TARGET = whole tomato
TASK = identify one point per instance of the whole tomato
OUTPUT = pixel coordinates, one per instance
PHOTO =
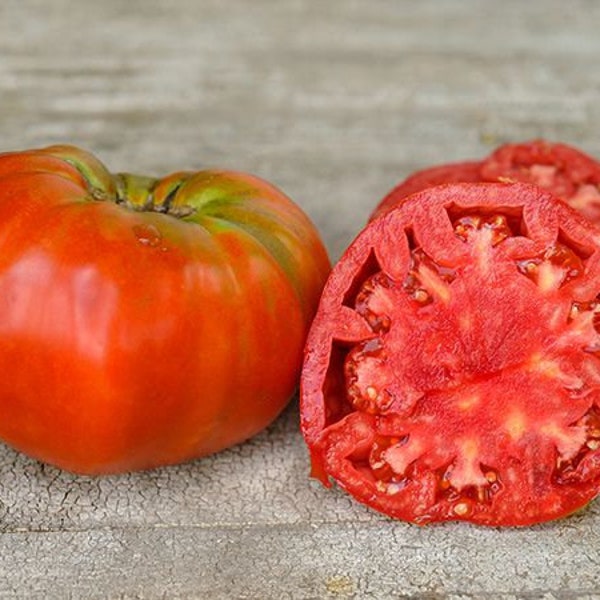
(145, 321)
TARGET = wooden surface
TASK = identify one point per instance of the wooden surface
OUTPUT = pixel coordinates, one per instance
(334, 101)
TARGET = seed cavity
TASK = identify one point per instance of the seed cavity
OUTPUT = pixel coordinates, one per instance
(434, 283)
(401, 455)
(568, 440)
(553, 268)
(427, 281)
(497, 225)
(374, 303)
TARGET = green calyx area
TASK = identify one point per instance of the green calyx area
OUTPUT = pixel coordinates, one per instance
(142, 193)
(135, 192)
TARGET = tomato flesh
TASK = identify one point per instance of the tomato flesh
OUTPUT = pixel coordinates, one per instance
(453, 368)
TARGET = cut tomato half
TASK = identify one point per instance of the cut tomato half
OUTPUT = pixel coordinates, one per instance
(453, 369)
(461, 172)
(565, 171)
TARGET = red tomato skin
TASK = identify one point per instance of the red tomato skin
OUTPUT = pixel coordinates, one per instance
(461, 172)
(134, 338)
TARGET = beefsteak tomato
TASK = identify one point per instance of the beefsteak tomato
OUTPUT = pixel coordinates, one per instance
(563, 170)
(146, 321)
(452, 371)
(462, 172)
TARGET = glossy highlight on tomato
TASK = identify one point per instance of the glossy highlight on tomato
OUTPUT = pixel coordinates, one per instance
(452, 371)
(146, 321)
(565, 171)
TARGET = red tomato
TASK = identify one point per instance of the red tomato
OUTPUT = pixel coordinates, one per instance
(452, 371)
(463, 172)
(563, 170)
(146, 321)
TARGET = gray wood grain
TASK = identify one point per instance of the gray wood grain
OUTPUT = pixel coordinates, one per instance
(334, 102)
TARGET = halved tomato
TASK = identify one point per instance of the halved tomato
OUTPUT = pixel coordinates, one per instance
(565, 171)
(453, 369)
(461, 172)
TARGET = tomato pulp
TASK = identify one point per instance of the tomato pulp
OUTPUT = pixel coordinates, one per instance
(146, 321)
(452, 371)
(563, 170)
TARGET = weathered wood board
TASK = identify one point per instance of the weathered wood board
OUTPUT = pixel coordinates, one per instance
(335, 102)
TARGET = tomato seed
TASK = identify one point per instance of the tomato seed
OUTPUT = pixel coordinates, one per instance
(378, 323)
(529, 268)
(395, 487)
(462, 508)
(491, 476)
(381, 486)
(574, 312)
(421, 296)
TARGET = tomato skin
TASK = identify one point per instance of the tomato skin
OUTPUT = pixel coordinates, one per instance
(565, 171)
(142, 329)
(496, 378)
(462, 172)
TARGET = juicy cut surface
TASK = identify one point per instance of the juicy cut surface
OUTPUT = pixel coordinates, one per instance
(475, 395)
